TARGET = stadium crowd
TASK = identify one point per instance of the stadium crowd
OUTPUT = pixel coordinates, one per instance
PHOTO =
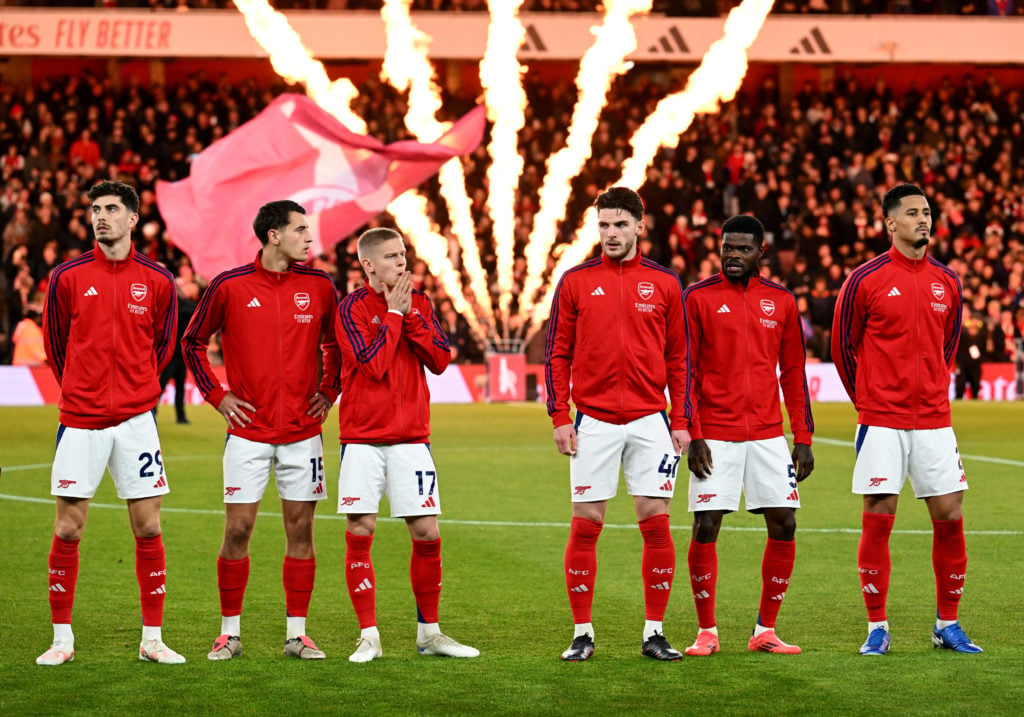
(812, 167)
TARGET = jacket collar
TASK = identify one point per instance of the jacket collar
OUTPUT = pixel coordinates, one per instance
(267, 273)
(624, 265)
(906, 262)
(726, 281)
(113, 265)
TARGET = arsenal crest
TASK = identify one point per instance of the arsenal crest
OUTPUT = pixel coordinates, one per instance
(302, 301)
(768, 307)
(645, 289)
(938, 291)
(138, 292)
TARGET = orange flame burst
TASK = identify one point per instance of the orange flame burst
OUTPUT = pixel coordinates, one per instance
(407, 67)
(614, 39)
(294, 62)
(716, 80)
(501, 77)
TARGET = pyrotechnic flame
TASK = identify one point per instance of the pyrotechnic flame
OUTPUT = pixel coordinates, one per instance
(613, 40)
(407, 67)
(501, 77)
(716, 80)
(410, 212)
(292, 61)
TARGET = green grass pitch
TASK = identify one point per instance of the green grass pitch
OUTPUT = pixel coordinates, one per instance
(504, 527)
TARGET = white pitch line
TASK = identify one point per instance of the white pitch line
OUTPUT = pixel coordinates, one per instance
(500, 523)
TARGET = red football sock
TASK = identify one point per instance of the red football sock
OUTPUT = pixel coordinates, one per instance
(298, 576)
(776, 569)
(359, 577)
(657, 566)
(151, 572)
(581, 567)
(949, 559)
(702, 559)
(232, 578)
(425, 575)
(874, 563)
(63, 568)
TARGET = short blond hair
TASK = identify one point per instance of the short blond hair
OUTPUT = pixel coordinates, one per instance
(373, 238)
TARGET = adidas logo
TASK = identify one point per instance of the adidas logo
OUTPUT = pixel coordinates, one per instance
(597, 292)
(91, 291)
(161, 482)
(667, 486)
(162, 590)
(793, 496)
(254, 304)
(894, 292)
(533, 40)
(870, 589)
(580, 589)
(662, 586)
(375, 320)
(57, 588)
(958, 591)
(365, 585)
(724, 310)
(319, 490)
(812, 44)
(779, 597)
(702, 595)
(671, 42)
(429, 503)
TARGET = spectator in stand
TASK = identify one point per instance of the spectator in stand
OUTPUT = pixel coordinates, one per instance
(971, 352)
(84, 150)
(815, 163)
(28, 337)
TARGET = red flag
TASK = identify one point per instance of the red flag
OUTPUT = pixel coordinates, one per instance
(296, 150)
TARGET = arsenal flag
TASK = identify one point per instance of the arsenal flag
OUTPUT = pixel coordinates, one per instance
(296, 150)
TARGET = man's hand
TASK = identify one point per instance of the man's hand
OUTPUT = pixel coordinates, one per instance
(699, 459)
(235, 411)
(565, 440)
(803, 461)
(319, 406)
(681, 441)
(399, 297)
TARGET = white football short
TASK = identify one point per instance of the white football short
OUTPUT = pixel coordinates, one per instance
(887, 456)
(642, 448)
(298, 469)
(131, 450)
(404, 472)
(762, 470)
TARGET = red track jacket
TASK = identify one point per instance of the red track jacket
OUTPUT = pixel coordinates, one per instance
(384, 393)
(618, 332)
(108, 331)
(738, 336)
(894, 339)
(272, 327)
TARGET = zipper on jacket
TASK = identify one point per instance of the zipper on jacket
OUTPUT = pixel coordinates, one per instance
(622, 336)
(915, 404)
(746, 336)
(397, 365)
(277, 286)
(114, 321)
